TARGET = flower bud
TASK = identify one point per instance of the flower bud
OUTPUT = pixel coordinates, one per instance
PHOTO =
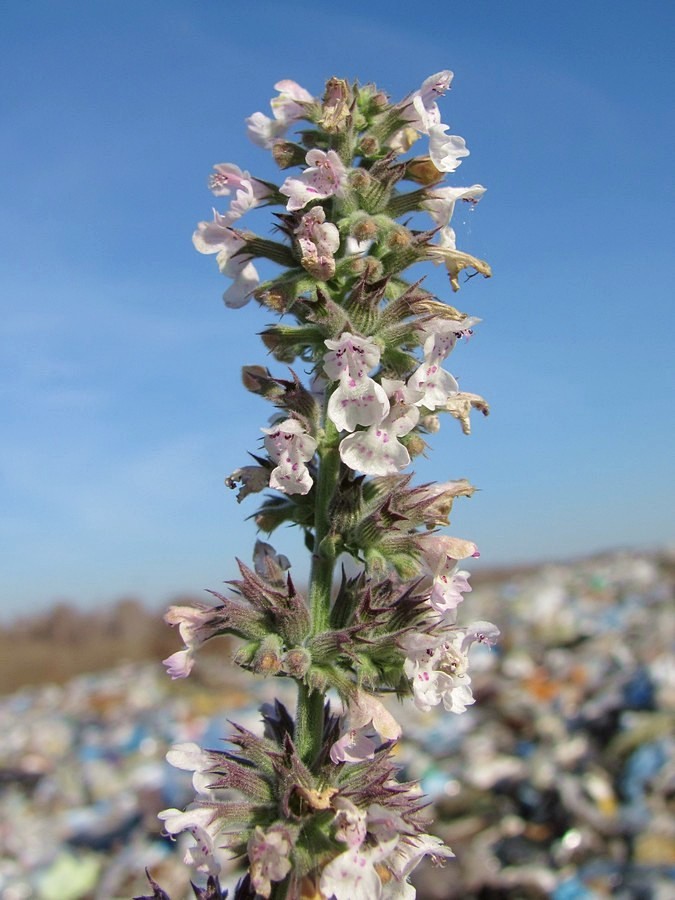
(415, 444)
(244, 655)
(335, 112)
(259, 380)
(398, 238)
(276, 299)
(287, 154)
(296, 662)
(369, 146)
(380, 100)
(431, 423)
(360, 180)
(267, 660)
(372, 269)
(423, 171)
(280, 350)
(364, 229)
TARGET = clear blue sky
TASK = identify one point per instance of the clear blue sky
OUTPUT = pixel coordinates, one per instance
(120, 404)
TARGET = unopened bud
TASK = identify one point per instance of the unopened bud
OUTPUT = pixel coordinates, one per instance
(316, 680)
(372, 269)
(398, 238)
(274, 299)
(296, 662)
(259, 380)
(266, 521)
(369, 145)
(415, 445)
(431, 423)
(253, 376)
(336, 104)
(360, 179)
(380, 100)
(280, 350)
(423, 171)
(244, 655)
(287, 154)
(267, 660)
(364, 229)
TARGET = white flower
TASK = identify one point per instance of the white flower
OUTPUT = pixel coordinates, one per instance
(289, 445)
(455, 260)
(179, 664)
(324, 177)
(431, 379)
(377, 451)
(422, 110)
(410, 851)
(219, 237)
(441, 201)
(288, 107)
(191, 621)
(358, 399)
(446, 151)
(201, 822)
(190, 757)
(431, 685)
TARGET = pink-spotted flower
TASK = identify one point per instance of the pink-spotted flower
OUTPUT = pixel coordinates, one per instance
(437, 664)
(439, 336)
(268, 853)
(248, 191)
(349, 822)
(289, 445)
(287, 107)
(440, 554)
(450, 585)
(358, 399)
(434, 383)
(366, 713)
(318, 241)
(421, 109)
(353, 875)
(324, 177)
(219, 237)
(377, 450)
(438, 675)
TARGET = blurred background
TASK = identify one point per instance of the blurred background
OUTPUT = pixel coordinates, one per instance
(122, 412)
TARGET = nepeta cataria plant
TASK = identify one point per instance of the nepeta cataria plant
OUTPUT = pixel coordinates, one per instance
(313, 805)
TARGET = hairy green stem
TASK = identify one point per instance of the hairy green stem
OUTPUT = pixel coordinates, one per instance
(309, 718)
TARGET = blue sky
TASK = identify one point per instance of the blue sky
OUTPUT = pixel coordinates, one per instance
(120, 403)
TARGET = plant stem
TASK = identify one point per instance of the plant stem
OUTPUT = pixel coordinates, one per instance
(309, 717)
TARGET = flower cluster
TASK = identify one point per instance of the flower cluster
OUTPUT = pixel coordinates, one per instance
(313, 805)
